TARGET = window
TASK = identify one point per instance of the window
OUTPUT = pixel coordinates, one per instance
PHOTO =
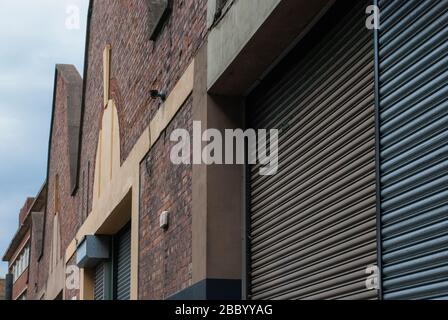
(27, 256)
(21, 263)
(158, 11)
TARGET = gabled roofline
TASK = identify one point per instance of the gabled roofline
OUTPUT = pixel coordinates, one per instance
(23, 228)
(72, 80)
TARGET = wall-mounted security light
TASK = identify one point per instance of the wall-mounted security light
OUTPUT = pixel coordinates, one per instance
(156, 94)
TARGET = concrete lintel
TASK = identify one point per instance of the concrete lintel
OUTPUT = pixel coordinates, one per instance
(252, 37)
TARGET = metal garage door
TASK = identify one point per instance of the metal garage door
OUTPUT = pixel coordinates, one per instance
(122, 265)
(99, 283)
(313, 224)
(413, 55)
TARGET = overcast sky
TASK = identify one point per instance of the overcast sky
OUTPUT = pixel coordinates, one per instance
(34, 36)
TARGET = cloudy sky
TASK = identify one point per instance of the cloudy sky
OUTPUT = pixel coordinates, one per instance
(34, 36)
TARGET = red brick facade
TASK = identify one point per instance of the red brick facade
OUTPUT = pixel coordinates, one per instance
(2, 289)
(20, 285)
(165, 256)
(59, 200)
(138, 65)
(33, 270)
(25, 210)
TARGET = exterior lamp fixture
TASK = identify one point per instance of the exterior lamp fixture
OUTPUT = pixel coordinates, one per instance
(156, 94)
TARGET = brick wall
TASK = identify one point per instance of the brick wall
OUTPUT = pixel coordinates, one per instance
(20, 285)
(60, 166)
(58, 178)
(24, 210)
(2, 289)
(137, 66)
(33, 269)
(165, 256)
(35, 245)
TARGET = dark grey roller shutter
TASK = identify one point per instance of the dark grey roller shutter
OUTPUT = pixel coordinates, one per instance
(313, 224)
(414, 148)
(98, 287)
(123, 265)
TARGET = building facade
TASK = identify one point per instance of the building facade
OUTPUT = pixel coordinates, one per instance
(18, 256)
(356, 207)
(2, 289)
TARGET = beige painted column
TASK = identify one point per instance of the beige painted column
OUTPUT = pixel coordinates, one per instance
(199, 175)
(86, 285)
(217, 189)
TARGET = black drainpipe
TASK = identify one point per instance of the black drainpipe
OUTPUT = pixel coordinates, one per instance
(378, 155)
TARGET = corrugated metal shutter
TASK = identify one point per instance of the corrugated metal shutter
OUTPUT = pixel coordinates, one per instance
(313, 224)
(98, 287)
(123, 265)
(414, 150)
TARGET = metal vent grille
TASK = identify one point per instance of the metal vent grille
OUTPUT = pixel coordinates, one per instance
(123, 265)
(98, 288)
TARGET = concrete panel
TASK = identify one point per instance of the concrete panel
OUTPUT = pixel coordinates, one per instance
(252, 36)
(233, 32)
(216, 223)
